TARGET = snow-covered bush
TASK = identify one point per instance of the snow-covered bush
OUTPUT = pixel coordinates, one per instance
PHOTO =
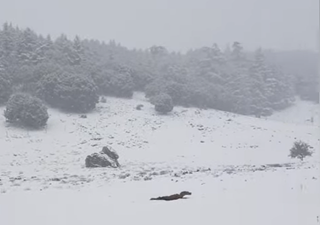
(5, 87)
(162, 103)
(24, 109)
(300, 150)
(67, 91)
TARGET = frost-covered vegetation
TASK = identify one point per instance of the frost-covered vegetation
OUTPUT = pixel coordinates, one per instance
(232, 79)
(68, 91)
(300, 150)
(5, 88)
(162, 103)
(24, 109)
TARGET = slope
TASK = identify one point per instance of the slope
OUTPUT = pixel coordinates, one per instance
(237, 168)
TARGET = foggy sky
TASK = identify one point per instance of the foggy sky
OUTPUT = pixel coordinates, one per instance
(175, 24)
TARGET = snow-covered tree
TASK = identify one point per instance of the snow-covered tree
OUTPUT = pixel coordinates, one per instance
(258, 74)
(76, 52)
(29, 49)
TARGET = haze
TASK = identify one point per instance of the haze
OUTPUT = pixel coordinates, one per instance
(175, 24)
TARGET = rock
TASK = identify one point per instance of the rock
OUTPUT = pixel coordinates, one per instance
(147, 178)
(83, 116)
(163, 172)
(123, 176)
(107, 157)
(103, 100)
(55, 179)
(97, 160)
(112, 154)
(139, 107)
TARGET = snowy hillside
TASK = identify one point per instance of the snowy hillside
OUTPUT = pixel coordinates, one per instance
(236, 167)
(302, 112)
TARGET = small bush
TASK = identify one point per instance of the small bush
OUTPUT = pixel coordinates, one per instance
(5, 87)
(68, 91)
(162, 103)
(300, 150)
(26, 110)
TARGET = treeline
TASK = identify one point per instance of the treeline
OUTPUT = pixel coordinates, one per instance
(71, 74)
(303, 65)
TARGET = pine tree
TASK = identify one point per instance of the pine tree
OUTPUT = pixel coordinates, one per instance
(76, 52)
(280, 92)
(7, 44)
(8, 40)
(237, 52)
(217, 54)
(63, 50)
(29, 48)
(240, 84)
(258, 74)
(8, 49)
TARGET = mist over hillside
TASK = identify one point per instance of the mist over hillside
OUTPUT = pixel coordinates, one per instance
(159, 112)
(232, 79)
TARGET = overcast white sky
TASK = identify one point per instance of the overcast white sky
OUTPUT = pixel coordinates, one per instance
(176, 24)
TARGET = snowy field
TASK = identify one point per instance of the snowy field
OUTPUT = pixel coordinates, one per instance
(302, 113)
(236, 167)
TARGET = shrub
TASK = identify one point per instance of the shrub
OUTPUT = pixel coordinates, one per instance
(26, 110)
(300, 150)
(162, 103)
(68, 91)
(5, 87)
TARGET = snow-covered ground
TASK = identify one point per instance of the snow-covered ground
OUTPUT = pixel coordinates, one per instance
(302, 112)
(236, 167)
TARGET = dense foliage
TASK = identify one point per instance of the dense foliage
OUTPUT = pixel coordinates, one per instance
(162, 103)
(5, 87)
(252, 83)
(300, 150)
(68, 91)
(303, 65)
(114, 81)
(24, 109)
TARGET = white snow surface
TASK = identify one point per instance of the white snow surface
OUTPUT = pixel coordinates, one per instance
(236, 167)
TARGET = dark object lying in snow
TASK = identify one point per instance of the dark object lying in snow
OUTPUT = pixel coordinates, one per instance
(173, 197)
(139, 107)
(106, 158)
(97, 160)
